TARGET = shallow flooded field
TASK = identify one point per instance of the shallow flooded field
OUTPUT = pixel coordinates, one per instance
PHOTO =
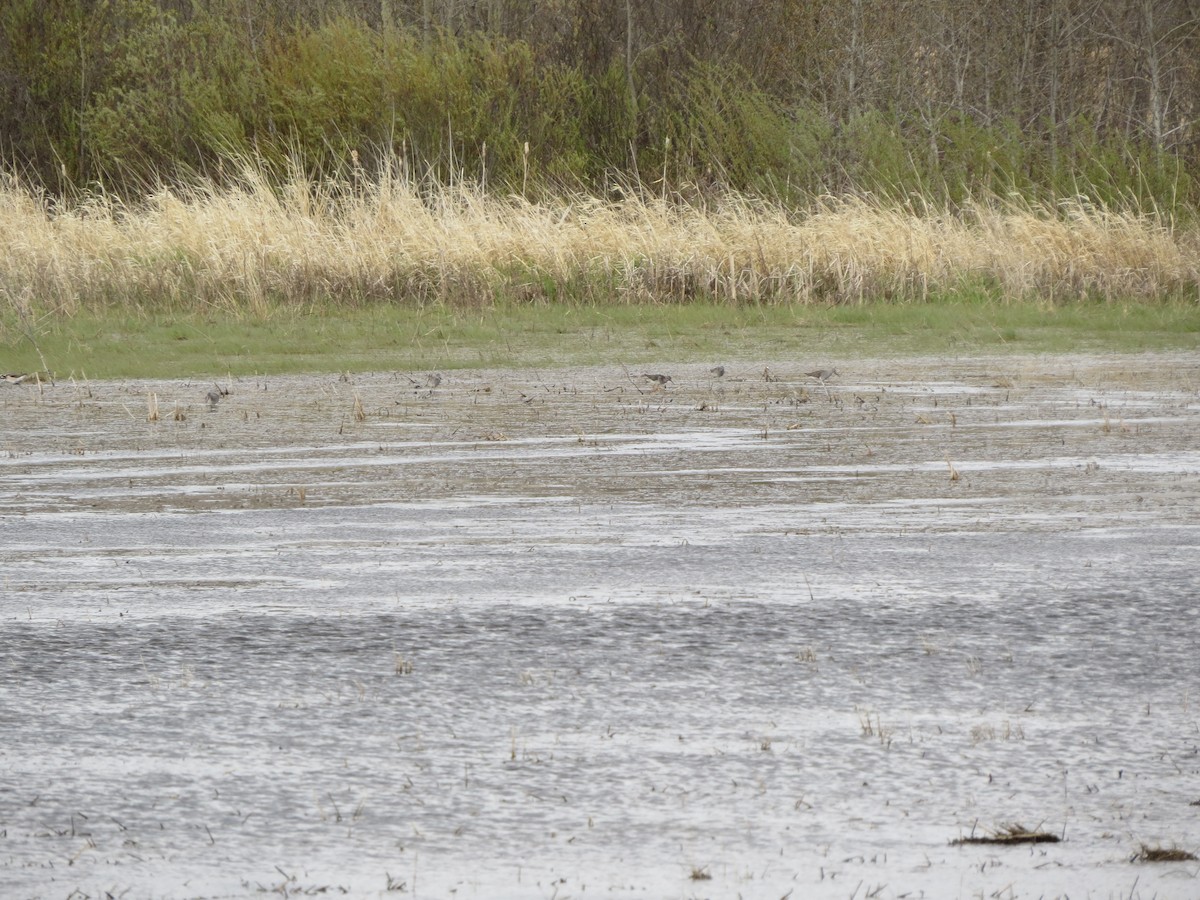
(564, 633)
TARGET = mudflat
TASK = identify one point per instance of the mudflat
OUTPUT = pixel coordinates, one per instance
(581, 631)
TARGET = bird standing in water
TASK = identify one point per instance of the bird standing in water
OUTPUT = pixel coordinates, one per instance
(660, 380)
(822, 375)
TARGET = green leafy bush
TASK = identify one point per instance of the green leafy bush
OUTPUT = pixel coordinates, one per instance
(132, 93)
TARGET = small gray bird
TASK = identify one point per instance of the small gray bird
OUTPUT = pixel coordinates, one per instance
(822, 375)
(660, 380)
(718, 371)
(214, 396)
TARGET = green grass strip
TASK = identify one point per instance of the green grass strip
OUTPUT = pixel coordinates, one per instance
(120, 344)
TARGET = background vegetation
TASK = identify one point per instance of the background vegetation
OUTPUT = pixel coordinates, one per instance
(777, 98)
(461, 179)
(255, 244)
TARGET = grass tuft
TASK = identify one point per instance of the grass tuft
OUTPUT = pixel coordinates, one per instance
(1009, 834)
(1162, 854)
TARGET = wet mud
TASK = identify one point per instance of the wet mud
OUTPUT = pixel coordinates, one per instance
(572, 632)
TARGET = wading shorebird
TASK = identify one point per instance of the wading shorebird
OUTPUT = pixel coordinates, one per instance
(214, 396)
(14, 378)
(432, 380)
(660, 380)
(822, 375)
(717, 371)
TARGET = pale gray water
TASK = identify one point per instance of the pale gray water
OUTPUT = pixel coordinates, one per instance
(550, 634)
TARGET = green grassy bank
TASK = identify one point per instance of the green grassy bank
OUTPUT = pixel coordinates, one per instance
(118, 344)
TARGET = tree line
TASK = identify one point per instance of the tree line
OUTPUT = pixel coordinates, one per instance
(932, 98)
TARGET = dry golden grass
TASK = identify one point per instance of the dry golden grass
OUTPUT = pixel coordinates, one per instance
(254, 246)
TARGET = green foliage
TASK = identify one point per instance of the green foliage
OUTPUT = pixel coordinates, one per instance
(112, 343)
(607, 126)
(324, 88)
(132, 92)
(974, 158)
(52, 57)
(721, 127)
(1119, 171)
(177, 97)
(457, 107)
(873, 155)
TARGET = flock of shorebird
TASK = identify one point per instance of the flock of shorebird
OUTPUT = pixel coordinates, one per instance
(660, 381)
(431, 381)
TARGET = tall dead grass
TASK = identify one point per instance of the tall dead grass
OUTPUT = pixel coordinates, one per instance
(260, 244)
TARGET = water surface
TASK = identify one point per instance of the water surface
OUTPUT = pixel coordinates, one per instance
(554, 633)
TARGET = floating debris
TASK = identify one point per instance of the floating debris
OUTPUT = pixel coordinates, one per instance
(1009, 834)
(1162, 854)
